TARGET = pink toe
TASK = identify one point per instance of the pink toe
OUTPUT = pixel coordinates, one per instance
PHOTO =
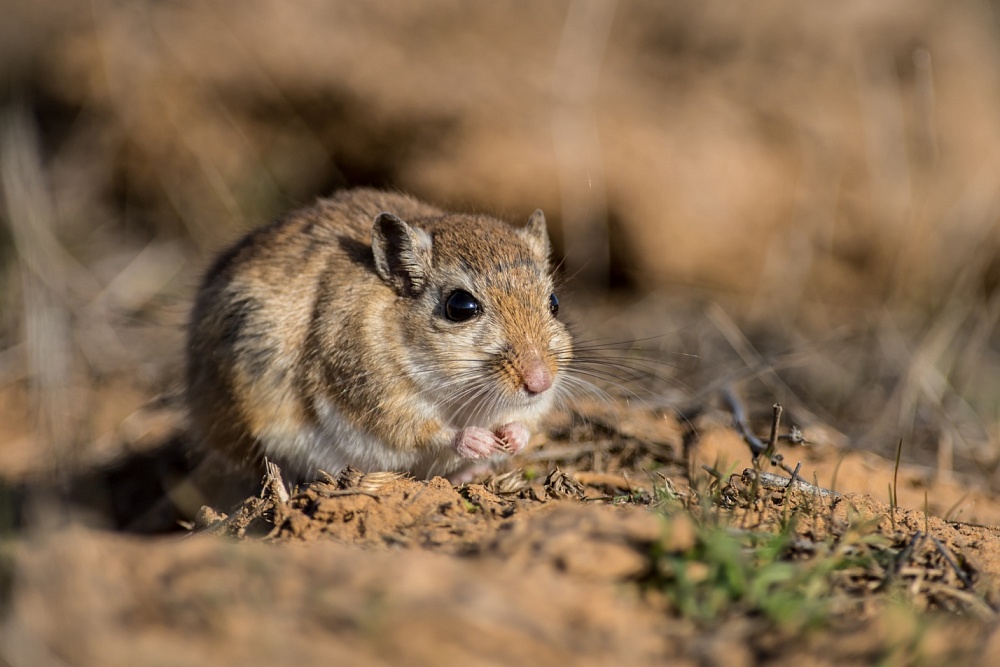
(515, 435)
(475, 443)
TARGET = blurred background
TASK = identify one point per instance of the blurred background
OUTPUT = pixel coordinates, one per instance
(799, 200)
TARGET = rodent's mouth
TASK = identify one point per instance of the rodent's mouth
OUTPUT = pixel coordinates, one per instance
(523, 398)
(519, 406)
(526, 400)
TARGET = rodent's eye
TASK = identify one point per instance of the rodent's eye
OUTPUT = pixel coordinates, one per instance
(461, 305)
(553, 304)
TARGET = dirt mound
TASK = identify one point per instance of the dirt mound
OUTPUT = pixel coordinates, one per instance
(622, 535)
(630, 549)
(203, 601)
(425, 573)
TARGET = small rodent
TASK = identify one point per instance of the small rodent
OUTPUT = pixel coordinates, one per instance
(379, 332)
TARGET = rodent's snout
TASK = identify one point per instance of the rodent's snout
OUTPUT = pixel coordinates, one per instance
(536, 375)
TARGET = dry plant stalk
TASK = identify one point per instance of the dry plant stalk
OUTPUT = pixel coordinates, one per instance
(45, 271)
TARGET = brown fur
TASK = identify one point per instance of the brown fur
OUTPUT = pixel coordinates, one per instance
(302, 319)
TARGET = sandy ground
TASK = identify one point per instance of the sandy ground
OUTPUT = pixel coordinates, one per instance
(555, 560)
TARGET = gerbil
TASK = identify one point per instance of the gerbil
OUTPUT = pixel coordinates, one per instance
(375, 331)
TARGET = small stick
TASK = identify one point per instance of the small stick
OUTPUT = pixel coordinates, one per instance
(712, 471)
(836, 469)
(951, 561)
(795, 474)
(337, 493)
(740, 422)
(926, 520)
(772, 481)
(895, 472)
(772, 442)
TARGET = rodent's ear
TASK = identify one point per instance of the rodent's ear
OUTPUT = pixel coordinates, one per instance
(402, 254)
(536, 235)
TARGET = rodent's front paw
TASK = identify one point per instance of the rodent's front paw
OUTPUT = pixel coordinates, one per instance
(515, 435)
(477, 443)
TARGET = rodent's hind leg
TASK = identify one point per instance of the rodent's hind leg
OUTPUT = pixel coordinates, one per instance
(469, 474)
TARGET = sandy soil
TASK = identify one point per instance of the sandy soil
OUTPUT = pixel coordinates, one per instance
(556, 560)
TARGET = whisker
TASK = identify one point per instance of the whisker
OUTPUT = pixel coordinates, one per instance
(618, 385)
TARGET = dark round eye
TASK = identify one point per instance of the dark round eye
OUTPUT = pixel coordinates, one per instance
(553, 304)
(461, 305)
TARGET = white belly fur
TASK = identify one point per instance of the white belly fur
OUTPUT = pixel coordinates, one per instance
(334, 444)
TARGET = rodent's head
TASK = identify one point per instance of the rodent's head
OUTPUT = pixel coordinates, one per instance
(480, 329)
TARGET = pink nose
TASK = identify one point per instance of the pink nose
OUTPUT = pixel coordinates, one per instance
(537, 376)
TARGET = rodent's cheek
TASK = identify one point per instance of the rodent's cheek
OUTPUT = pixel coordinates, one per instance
(458, 351)
(561, 345)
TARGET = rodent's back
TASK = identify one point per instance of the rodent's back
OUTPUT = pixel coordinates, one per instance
(254, 311)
